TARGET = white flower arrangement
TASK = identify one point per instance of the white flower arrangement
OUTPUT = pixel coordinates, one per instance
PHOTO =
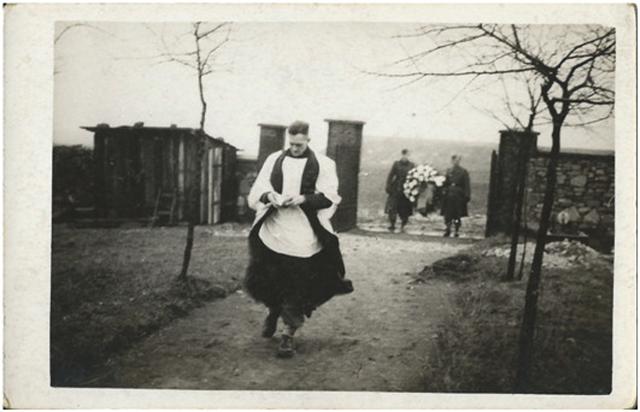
(419, 175)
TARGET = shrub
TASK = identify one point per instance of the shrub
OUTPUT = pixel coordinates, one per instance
(72, 169)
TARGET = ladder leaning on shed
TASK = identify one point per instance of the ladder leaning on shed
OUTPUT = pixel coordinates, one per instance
(165, 207)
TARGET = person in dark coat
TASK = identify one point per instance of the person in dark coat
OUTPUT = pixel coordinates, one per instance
(295, 261)
(397, 203)
(456, 196)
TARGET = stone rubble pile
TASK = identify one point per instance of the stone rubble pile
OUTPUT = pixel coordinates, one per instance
(563, 254)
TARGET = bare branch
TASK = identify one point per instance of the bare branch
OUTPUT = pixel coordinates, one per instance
(205, 61)
(179, 61)
(210, 32)
(440, 47)
(570, 54)
(492, 114)
(510, 51)
(434, 30)
(584, 101)
(596, 54)
(452, 74)
(600, 119)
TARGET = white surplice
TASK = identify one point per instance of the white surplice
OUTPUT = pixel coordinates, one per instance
(287, 230)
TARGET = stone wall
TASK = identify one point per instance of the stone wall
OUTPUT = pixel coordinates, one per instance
(585, 189)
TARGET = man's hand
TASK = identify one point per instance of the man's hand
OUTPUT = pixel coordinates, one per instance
(294, 201)
(277, 200)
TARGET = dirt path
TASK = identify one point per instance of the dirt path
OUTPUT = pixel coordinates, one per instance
(374, 339)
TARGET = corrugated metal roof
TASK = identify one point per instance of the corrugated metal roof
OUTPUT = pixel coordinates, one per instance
(140, 126)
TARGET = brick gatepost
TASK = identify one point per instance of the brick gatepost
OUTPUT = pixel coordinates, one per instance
(504, 178)
(271, 140)
(343, 146)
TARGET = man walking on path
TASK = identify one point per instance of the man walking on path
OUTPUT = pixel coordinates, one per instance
(457, 193)
(295, 259)
(397, 202)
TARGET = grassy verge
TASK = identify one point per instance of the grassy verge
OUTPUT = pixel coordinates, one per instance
(476, 348)
(112, 287)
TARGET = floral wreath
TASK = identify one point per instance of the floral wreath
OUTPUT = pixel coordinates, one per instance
(424, 173)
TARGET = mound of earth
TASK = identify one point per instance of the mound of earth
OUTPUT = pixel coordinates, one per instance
(564, 254)
(457, 267)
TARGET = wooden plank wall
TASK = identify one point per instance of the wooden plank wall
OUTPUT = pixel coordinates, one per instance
(99, 164)
(181, 177)
(136, 176)
(133, 166)
(204, 177)
(210, 180)
(229, 190)
(148, 168)
(218, 157)
(190, 169)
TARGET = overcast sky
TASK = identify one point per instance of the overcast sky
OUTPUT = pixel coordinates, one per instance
(274, 73)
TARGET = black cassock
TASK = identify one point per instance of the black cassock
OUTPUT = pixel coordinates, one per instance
(456, 194)
(274, 278)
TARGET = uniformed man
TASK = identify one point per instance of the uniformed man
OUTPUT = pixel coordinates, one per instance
(456, 196)
(397, 203)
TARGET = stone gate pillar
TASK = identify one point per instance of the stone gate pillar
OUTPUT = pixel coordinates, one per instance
(507, 163)
(343, 146)
(271, 140)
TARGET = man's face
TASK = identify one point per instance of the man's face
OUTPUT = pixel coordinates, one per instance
(405, 156)
(297, 145)
(455, 161)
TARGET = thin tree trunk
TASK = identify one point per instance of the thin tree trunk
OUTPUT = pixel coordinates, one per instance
(531, 298)
(200, 139)
(517, 209)
(187, 251)
(518, 193)
(194, 210)
(524, 240)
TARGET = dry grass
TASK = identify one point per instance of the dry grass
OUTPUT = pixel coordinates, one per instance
(112, 287)
(476, 349)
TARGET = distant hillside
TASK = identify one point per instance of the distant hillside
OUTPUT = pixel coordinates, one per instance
(476, 157)
(379, 153)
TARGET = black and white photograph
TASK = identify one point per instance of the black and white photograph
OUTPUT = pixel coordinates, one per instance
(335, 205)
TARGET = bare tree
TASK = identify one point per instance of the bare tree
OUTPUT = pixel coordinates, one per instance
(575, 67)
(207, 40)
(532, 110)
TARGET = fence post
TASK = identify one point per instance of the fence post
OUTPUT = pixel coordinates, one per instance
(493, 196)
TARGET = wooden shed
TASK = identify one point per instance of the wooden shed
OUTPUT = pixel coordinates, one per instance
(149, 172)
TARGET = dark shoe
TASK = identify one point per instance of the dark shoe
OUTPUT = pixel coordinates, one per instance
(456, 234)
(447, 233)
(344, 287)
(270, 324)
(286, 350)
(391, 229)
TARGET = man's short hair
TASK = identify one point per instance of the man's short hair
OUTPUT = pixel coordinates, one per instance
(299, 127)
(456, 157)
(404, 151)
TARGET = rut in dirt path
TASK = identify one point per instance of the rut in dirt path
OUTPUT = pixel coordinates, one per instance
(375, 339)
